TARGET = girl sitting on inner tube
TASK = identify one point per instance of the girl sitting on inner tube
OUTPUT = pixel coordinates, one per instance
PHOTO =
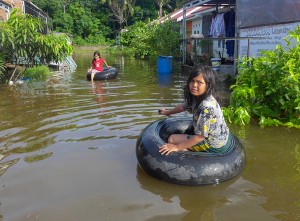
(211, 132)
(97, 64)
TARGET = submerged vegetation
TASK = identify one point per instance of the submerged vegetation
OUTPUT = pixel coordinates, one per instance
(267, 89)
(40, 72)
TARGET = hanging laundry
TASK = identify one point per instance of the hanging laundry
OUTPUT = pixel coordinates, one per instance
(217, 28)
(230, 32)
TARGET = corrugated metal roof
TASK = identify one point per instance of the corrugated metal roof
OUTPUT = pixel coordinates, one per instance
(194, 3)
(178, 14)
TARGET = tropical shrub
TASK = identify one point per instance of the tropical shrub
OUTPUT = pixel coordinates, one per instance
(22, 41)
(2, 69)
(137, 38)
(24, 31)
(53, 48)
(267, 89)
(148, 40)
(166, 38)
(38, 73)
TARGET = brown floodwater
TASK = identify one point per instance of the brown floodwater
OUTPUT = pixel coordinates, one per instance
(67, 153)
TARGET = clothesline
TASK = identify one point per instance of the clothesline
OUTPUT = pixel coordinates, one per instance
(225, 38)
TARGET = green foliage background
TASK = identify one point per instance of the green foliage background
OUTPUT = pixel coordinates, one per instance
(91, 22)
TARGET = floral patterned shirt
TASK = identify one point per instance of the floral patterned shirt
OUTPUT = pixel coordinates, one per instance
(209, 122)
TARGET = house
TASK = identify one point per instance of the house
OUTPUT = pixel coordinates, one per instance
(190, 13)
(5, 8)
(273, 21)
(25, 6)
(197, 26)
(258, 25)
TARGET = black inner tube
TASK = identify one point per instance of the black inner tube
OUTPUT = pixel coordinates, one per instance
(187, 167)
(183, 126)
(175, 127)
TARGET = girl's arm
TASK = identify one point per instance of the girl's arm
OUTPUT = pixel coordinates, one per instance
(92, 66)
(188, 143)
(106, 64)
(177, 109)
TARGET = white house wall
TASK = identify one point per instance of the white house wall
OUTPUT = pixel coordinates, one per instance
(196, 30)
(197, 26)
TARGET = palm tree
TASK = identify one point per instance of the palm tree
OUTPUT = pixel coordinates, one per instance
(121, 10)
(161, 3)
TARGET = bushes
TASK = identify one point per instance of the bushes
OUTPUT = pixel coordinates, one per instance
(21, 37)
(38, 73)
(92, 40)
(267, 90)
(148, 40)
(2, 69)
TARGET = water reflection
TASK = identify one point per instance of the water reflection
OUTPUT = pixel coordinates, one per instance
(272, 164)
(5, 165)
(100, 93)
(74, 141)
(1, 216)
(209, 203)
(164, 79)
(297, 157)
(199, 203)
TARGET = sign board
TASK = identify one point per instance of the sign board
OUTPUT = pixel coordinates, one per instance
(270, 37)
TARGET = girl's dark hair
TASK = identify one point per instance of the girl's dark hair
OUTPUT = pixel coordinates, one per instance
(96, 53)
(209, 78)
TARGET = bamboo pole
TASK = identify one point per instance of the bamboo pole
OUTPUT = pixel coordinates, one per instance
(12, 74)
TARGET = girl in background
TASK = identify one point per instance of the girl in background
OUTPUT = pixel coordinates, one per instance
(97, 64)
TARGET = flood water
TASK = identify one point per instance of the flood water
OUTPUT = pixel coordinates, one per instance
(67, 153)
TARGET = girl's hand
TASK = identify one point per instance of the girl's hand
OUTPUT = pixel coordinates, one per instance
(163, 111)
(168, 148)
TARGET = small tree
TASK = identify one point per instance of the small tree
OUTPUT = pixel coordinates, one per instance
(138, 39)
(166, 38)
(22, 38)
(148, 40)
(25, 30)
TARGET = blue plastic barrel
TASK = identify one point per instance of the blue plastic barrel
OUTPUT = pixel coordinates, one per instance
(165, 64)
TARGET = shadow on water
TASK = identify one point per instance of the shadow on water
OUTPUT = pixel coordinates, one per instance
(67, 152)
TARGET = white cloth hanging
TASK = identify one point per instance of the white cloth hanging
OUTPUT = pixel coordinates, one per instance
(217, 28)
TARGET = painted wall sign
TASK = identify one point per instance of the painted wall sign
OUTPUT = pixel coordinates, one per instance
(271, 36)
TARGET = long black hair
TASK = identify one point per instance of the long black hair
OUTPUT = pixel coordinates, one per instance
(96, 53)
(209, 77)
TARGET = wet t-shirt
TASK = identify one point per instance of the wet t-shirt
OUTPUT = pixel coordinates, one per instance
(97, 64)
(209, 122)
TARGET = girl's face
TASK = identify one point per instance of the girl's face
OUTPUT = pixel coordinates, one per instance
(197, 85)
